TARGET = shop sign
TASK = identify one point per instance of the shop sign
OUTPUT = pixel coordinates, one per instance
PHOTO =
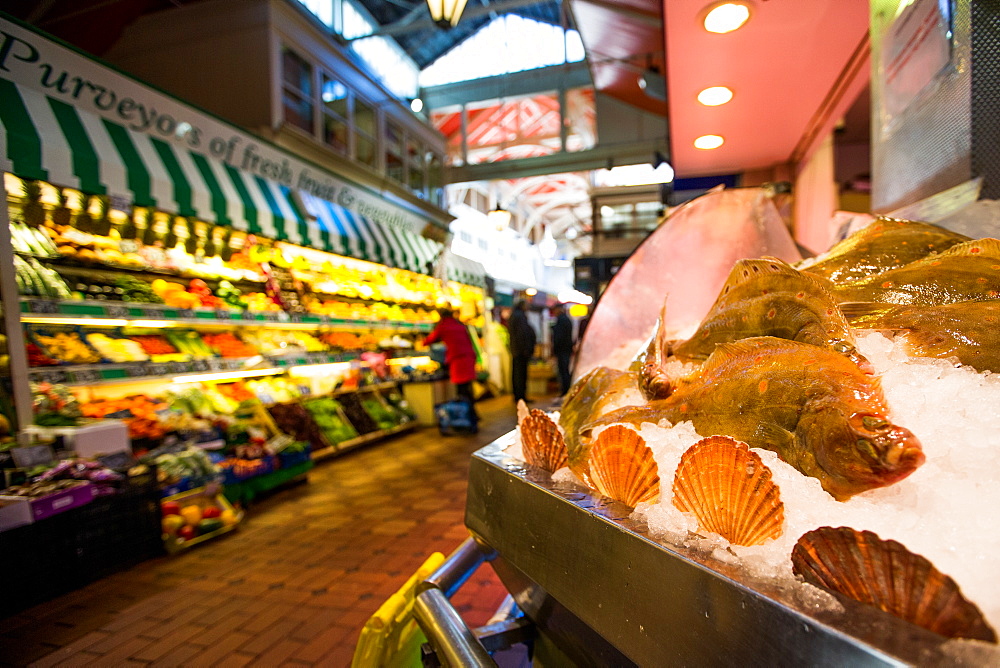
(30, 60)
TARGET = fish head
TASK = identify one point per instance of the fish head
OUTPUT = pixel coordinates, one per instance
(848, 350)
(861, 451)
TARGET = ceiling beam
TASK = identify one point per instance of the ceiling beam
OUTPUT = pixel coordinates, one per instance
(599, 157)
(408, 24)
(528, 82)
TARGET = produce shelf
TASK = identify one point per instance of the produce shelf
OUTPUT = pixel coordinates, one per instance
(345, 446)
(45, 309)
(132, 372)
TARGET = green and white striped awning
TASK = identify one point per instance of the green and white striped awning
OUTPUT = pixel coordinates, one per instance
(45, 138)
(463, 270)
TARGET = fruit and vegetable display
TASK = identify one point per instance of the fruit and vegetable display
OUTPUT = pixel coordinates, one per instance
(64, 345)
(35, 279)
(190, 465)
(39, 489)
(116, 348)
(328, 416)
(384, 414)
(54, 405)
(104, 479)
(201, 265)
(227, 344)
(193, 517)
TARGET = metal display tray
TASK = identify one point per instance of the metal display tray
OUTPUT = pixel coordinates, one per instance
(601, 591)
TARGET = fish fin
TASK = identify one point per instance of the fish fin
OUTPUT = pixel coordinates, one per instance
(924, 343)
(725, 351)
(633, 415)
(987, 247)
(865, 313)
(778, 439)
(748, 270)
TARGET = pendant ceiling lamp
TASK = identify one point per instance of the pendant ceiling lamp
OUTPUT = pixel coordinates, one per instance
(499, 218)
(446, 13)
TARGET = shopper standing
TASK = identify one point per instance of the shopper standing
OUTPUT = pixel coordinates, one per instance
(522, 347)
(459, 353)
(562, 345)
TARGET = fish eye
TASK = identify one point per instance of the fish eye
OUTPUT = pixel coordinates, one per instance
(872, 422)
(843, 347)
(866, 448)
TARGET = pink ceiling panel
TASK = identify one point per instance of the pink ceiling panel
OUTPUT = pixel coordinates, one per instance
(781, 65)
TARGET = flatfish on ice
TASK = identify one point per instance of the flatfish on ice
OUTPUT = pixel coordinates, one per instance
(812, 406)
(768, 297)
(969, 271)
(886, 243)
(601, 390)
(967, 331)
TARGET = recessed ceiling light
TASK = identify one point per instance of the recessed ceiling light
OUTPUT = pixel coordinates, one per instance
(708, 142)
(714, 96)
(726, 17)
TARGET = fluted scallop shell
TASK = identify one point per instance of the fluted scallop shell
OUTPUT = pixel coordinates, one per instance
(622, 466)
(541, 441)
(883, 573)
(729, 490)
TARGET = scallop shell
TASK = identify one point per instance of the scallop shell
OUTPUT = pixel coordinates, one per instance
(622, 466)
(729, 490)
(883, 573)
(541, 441)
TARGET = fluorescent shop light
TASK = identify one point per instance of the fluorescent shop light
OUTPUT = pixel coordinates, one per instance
(229, 375)
(91, 322)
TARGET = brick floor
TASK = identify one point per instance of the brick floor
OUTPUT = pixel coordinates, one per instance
(295, 584)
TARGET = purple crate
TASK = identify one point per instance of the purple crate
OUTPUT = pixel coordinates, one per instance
(63, 500)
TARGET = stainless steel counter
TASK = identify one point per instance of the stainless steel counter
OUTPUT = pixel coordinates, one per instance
(602, 592)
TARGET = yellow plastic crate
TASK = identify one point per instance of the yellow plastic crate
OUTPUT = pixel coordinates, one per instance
(391, 637)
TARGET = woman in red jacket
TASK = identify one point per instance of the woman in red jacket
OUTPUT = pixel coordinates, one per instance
(459, 354)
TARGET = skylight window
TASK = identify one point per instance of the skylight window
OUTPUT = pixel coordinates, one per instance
(507, 44)
(384, 58)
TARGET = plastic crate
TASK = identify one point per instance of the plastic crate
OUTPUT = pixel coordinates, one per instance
(118, 530)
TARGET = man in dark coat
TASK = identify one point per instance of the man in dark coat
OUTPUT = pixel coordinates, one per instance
(522, 347)
(562, 345)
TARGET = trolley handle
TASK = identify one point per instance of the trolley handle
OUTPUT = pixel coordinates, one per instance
(450, 637)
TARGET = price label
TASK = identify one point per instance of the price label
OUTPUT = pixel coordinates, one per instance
(53, 376)
(272, 316)
(214, 364)
(200, 365)
(185, 313)
(116, 311)
(294, 317)
(85, 376)
(223, 314)
(44, 306)
(135, 370)
(158, 369)
(128, 246)
(121, 203)
(151, 313)
(178, 367)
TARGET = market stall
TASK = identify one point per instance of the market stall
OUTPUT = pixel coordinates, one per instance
(795, 477)
(222, 318)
